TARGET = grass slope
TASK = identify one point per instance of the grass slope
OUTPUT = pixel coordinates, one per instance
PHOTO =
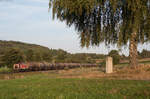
(46, 87)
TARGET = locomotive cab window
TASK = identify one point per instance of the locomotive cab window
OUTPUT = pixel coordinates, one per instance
(16, 66)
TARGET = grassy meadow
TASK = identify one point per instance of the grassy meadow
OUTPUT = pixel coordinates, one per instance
(45, 87)
(83, 83)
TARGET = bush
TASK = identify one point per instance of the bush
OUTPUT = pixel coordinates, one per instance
(13, 56)
(116, 60)
(5, 70)
(116, 57)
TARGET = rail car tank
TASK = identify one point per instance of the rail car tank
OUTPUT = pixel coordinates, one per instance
(49, 66)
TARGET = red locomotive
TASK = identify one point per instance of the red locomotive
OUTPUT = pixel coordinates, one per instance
(20, 66)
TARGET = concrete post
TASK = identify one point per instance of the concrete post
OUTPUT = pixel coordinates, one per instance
(109, 65)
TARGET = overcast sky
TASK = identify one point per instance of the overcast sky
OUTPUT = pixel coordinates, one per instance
(29, 21)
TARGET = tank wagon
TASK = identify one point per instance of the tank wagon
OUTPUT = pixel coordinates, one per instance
(48, 66)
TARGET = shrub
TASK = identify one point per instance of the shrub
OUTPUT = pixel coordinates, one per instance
(5, 70)
(13, 56)
(116, 60)
(115, 55)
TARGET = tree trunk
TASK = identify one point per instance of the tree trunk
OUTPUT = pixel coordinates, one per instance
(133, 50)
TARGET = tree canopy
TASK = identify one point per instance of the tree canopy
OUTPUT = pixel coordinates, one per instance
(109, 21)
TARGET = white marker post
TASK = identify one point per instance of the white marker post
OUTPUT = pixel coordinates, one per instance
(109, 65)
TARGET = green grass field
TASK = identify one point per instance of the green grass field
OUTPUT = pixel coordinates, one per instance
(146, 62)
(43, 86)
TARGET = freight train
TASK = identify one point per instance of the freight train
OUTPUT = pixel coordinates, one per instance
(48, 66)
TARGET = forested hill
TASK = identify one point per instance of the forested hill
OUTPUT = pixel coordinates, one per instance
(36, 53)
(30, 52)
(6, 45)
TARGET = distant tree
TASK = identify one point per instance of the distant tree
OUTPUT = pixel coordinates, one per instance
(30, 55)
(115, 55)
(61, 56)
(47, 57)
(13, 56)
(38, 57)
(113, 52)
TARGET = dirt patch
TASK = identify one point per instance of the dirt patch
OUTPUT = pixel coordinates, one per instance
(9, 77)
(139, 73)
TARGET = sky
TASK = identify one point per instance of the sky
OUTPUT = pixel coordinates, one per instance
(30, 21)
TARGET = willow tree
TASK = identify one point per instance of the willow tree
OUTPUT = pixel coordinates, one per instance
(110, 21)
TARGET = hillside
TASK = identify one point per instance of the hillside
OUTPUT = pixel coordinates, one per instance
(37, 53)
(32, 52)
(5, 45)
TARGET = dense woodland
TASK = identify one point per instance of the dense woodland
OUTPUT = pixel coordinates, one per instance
(15, 52)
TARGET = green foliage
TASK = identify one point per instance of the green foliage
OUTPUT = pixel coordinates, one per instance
(5, 70)
(109, 21)
(32, 52)
(47, 57)
(38, 57)
(115, 55)
(61, 55)
(36, 53)
(13, 56)
(30, 55)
